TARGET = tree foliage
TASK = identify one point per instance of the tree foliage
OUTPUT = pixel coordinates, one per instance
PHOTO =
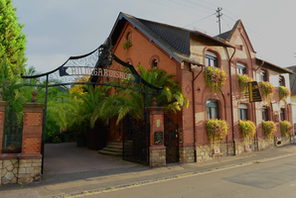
(12, 42)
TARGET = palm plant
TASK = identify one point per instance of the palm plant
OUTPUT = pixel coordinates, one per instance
(129, 101)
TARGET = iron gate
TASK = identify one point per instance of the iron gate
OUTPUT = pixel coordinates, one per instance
(135, 140)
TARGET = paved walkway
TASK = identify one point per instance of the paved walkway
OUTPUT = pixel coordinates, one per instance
(141, 175)
(67, 162)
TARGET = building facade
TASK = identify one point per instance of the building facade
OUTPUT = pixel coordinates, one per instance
(187, 55)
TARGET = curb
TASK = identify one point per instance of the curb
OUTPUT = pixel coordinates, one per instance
(168, 178)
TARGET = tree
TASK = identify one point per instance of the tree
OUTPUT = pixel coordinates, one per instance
(12, 42)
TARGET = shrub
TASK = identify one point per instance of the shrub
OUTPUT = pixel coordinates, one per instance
(216, 129)
(286, 128)
(266, 89)
(215, 78)
(127, 44)
(283, 92)
(243, 82)
(269, 128)
(248, 129)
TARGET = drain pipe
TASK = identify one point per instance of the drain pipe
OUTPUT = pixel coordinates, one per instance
(193, 103)
(231, 96)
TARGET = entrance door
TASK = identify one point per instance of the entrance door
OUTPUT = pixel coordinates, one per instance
(171, 138)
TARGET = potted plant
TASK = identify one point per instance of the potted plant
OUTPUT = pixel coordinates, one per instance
(127, 44)
(216, 130)
(266, 89)
(248, 129)
(243, 82)
(215, 78)
(283, 92)
(269, 128)
(286, 128)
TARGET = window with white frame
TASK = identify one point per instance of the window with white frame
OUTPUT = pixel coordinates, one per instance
(211, 59)
(265, 114)
(241, 68)
(212, 109)
(243, 112)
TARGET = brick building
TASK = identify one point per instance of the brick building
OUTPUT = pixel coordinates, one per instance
(186, 54)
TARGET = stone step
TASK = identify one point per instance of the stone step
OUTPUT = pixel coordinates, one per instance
(104, 152)
(112, 148)
(119, 150)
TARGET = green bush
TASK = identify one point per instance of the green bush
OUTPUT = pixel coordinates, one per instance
(269, 128)
(283, 92)
(243, 82)
(215, 78)
(216, 129)
(266, 89)
(286, 128)
(248, 129)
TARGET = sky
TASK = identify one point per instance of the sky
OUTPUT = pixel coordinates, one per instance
(57, 29)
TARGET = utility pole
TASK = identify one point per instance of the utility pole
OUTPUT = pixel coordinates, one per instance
(219, 15)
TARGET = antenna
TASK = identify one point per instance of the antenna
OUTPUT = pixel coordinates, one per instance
(219, 15)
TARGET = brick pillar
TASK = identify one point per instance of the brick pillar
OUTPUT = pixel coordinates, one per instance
(32, 129)
(2, 118)
(30, 158)
(157, 150)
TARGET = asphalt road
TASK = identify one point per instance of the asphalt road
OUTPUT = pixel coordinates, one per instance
(275, 178)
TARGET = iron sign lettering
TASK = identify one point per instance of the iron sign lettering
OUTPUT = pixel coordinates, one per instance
(82, 70)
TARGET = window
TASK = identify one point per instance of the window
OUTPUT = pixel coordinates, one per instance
(212, 109)
(243, 112)
(154, 63)
(129, 36)
(263, 75)
(211, 59)
(282, 81)
(265, 112)
(283, 114)
(241, 68)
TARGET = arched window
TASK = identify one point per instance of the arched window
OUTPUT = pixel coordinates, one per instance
(212, 109)
(211, 59)
(282, 81)
(154, 62)
(263, 75)
(243, 112)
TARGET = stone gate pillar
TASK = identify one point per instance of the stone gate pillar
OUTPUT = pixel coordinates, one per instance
(30, 158)
(2, 118)
(157, 150)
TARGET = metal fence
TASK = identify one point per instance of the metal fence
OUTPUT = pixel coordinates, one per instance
(13, 126)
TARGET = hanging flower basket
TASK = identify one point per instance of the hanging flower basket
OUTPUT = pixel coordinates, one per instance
(286, 128)
(215, 78)
(216, 129)
(269, 128)
(266, 89)
(248, 129)
(243, 82)
(127, 44)
(283, 92)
